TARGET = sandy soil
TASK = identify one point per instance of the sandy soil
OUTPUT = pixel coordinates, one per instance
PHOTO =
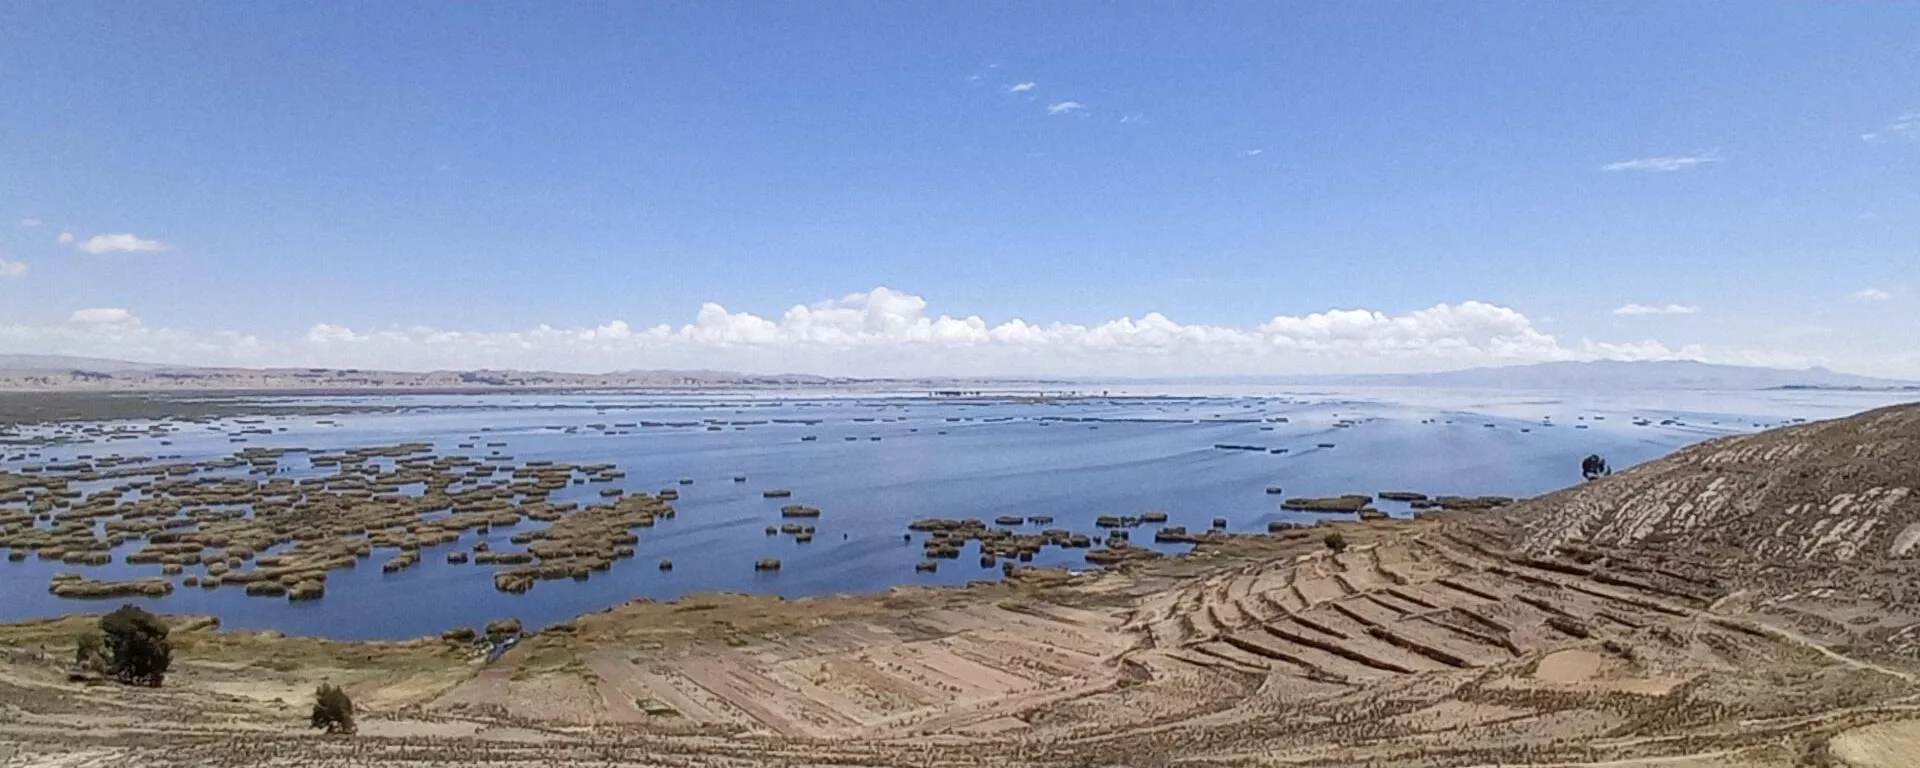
(1884, 745)
(1421, 644)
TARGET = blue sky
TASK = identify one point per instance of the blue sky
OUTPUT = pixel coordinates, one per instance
(1179, 189)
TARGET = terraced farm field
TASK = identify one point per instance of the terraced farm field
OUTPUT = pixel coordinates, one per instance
(1419, 642)
(1435, 641)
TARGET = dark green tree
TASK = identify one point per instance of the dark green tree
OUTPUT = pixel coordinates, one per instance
(137, 647)
(332, 709)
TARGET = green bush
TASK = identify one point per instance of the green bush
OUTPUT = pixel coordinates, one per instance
(1335, 541)
(90, 653)
(137, 647)
(1593, 467)
(332, 709)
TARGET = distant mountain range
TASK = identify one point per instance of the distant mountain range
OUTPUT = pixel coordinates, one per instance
(64, 373)
(69, 363)
(1674, 374)
(1602, 374)
(59, 372)
(55, 372)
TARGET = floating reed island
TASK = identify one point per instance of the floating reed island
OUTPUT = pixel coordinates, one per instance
(1352, 502)
(236, 522)
(245, 522)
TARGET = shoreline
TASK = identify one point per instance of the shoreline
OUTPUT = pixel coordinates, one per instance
(1228, 546)
(1494, 637)
(23, 408)
(410, 501)
(29, 407)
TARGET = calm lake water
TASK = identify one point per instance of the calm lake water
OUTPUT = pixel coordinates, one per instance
(1072, 459)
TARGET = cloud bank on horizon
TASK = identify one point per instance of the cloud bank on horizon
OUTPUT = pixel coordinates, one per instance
(886, 332)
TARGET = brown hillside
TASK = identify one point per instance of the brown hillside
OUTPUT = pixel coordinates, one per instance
(1841, 490)
(1749, 602)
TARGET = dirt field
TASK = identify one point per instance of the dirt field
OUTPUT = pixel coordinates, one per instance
(1418, 645)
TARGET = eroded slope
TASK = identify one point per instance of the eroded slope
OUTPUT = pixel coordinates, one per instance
(1841, 490)
(1746, 602)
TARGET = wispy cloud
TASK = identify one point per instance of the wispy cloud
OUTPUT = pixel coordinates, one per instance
(1906, 126)
(12, 268)
(1022, 86)
(29, 222)
(1064, 107)
(1133, 118)
(1870, 293)
(979, 76)
(1632, 310)
(1664, 164)
(114, 243)
(1254, 152)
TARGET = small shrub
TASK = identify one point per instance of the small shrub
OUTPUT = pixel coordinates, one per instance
(332, 709)
(1335, 541)
(90, 653)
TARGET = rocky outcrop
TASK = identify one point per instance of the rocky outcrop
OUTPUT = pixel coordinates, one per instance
(1472, 503)
(503, 627)
(1116, 553)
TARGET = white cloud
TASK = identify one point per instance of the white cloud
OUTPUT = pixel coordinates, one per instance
(1133, 118)
(115, 243)
(12, 268)
(103, 316)
(65, 238)
(1655, 309)
(1064, 107)
(1022, 86)
(1254, 152)
(1668, 163)
(1906, 126)
(885, 332)
(29, 222)
(1870, 294)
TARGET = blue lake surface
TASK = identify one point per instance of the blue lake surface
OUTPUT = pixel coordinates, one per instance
(1073, 459)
